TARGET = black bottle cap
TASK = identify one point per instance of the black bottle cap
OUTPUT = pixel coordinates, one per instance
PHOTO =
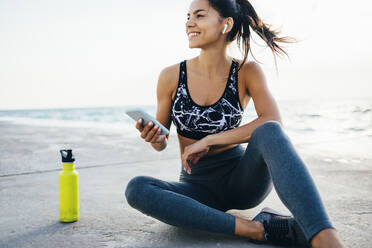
(67, 156)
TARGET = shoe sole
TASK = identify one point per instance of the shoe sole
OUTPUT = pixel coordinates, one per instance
(272, 211)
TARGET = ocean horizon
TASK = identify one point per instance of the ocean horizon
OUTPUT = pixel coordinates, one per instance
(306, 121)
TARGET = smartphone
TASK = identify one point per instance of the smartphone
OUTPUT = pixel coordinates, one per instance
(138, 113)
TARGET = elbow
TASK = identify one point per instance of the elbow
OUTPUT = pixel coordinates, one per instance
(275, 119)
(279, 121)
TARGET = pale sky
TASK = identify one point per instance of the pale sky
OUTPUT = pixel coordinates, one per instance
(101, 53)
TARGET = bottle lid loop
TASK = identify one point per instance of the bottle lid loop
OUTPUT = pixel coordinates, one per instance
(67, 156)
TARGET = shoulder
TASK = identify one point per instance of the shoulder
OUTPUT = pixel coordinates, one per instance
(253, 68)
(251, 71)
(250, 68)
(252, 76)
(170, 73)
(168, 78)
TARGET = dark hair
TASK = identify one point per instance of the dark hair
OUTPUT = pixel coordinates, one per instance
(245, 16)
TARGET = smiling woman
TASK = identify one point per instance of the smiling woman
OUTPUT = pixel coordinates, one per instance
(205, 98)
(240, 18)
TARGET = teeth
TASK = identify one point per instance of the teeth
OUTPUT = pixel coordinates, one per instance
(193, 34)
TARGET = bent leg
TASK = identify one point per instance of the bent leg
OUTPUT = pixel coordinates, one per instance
(182, 204)
(290, 177)
(249, 182)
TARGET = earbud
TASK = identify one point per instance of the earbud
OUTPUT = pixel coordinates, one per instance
(224, 29)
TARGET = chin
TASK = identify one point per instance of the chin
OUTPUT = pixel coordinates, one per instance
(197, 44)
(190, 46)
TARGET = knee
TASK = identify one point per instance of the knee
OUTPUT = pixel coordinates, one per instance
(134, 188)
(268, 129)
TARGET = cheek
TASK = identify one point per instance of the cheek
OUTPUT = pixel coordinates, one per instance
(212, 34)
(209, 31)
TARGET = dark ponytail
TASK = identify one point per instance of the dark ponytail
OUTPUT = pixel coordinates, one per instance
(244, 17)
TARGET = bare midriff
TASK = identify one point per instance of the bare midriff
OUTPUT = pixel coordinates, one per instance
(183, 142)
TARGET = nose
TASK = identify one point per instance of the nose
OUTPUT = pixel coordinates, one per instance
(190, 23)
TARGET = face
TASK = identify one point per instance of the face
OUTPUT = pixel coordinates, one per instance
(204, 25)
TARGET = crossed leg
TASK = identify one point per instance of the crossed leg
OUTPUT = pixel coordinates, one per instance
(182, 204)
(270, 159)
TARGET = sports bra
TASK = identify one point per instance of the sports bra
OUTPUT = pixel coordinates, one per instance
(196, 121)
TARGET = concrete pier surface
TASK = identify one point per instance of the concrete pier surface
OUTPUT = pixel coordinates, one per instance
(107, 159)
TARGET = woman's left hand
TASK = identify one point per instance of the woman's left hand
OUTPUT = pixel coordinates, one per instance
(193, 153)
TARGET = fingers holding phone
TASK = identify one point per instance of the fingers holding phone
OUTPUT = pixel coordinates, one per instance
(150, 132)
(151, 129)
(139, 125)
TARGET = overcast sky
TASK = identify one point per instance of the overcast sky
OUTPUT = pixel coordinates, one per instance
(84, 53)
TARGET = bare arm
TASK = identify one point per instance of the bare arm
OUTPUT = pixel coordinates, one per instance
(265, 105)
(164, 100)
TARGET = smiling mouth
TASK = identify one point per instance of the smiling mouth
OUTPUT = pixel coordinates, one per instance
(193, 34)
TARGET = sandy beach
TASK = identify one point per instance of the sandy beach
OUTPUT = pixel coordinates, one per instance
(107, 159)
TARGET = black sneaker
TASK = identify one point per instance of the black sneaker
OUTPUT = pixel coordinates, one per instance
(280, 229)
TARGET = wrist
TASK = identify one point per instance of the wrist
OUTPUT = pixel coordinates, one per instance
(209, 140)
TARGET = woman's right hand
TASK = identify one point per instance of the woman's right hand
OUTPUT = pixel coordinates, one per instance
(150, 133)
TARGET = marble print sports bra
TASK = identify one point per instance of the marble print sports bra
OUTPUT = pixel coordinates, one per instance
(196, 121)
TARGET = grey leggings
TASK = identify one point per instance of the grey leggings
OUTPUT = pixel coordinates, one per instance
(234, 179)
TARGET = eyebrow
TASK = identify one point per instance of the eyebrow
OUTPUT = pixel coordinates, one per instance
(196, 11)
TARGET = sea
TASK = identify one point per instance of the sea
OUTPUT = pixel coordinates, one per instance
(345, 123)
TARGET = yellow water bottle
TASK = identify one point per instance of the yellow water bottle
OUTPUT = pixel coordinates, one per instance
(68, 188)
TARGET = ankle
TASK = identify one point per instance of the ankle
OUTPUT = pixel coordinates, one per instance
(248, 228)
(327, 238)
(259, 230)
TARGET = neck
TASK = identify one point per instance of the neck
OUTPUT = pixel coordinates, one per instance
(213, 62)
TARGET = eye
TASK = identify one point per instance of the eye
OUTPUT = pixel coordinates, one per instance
(198, 16)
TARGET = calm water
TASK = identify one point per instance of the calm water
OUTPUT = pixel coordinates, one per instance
(307, 122)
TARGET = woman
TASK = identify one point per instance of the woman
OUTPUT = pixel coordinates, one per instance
(205, 98)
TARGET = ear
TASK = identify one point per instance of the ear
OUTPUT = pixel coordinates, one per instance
(230, 23)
